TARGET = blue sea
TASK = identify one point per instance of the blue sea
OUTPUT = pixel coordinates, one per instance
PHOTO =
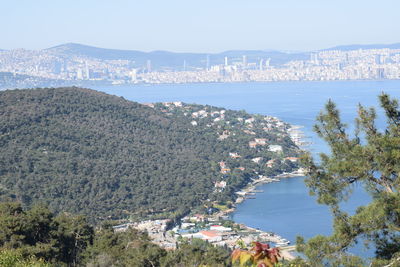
(285, 207)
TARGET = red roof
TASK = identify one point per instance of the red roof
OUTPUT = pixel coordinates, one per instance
(209, 233)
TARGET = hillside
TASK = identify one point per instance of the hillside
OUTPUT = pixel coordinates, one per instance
(366, 46)
(83, 151)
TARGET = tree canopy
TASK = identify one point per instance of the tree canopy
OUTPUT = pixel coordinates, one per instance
(82, 151)
(370, 157)
(37, 237)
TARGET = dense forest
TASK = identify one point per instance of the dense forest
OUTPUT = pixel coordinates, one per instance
(86, 152)
(36, 237)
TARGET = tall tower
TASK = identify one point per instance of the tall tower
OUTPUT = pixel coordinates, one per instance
(79, 74)
(378, 59)
(226, 61)
(65, 65)
(148, 65)
(314, 58)
(261, 67)
(134, 75)
(87, 71)
(244, 61)
(267, 63)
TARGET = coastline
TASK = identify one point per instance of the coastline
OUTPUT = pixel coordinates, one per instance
(264, 236)
(249, 192)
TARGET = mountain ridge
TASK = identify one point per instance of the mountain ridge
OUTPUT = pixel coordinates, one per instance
(338, 47)
(363, 46)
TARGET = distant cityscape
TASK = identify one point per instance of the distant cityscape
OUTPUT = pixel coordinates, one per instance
(26, 68)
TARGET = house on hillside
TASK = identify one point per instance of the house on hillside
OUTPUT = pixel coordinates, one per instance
(234, 155)
(221, 184)
(225, 170)
(292, 159)
(260, 141)
(270, 163)
(252, 144)
(275, 148)
(257, 160)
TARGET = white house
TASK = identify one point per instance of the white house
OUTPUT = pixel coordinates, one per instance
(220, 228)
(275, 148)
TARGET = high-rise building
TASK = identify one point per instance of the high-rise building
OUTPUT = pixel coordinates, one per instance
(244, 61)
(380, 73)
(267, 63)
(87, 71)
(314, 58)
(226, 61)
(378, 59)
(65, 66)
(148, 65)
(261, 67)
(134, 75)
(57, 67)
(79, 74)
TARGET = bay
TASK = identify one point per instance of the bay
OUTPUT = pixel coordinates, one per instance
(285, 207)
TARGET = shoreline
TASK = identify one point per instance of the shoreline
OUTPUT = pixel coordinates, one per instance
(251, 189)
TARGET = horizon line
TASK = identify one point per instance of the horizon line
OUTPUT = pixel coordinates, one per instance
(211, 53)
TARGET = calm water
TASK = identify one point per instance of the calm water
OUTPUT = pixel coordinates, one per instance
(284, 207)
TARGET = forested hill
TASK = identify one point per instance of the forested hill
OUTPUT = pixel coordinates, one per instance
(87, 152)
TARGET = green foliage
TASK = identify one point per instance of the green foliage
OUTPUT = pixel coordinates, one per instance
(82, 151)
(37, 233)
(68, 240)
(198, 253)
(372, 158)
(130, 248)
(14, 258)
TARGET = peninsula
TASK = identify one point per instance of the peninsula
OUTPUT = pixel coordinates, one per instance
(150, 166)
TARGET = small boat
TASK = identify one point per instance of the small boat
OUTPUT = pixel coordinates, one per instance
(282, 243)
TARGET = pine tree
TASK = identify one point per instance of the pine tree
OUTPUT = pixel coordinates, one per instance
(370, 157)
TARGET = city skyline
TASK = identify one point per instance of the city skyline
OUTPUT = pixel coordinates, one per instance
(206, 26)
(292, 51)
(74, 64)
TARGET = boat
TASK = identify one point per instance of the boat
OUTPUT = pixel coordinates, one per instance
(282, 244)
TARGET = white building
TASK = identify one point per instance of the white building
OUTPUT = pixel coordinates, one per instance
(220, 228)
(275, 148)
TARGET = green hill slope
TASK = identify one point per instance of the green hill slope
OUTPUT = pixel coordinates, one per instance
(87, 152)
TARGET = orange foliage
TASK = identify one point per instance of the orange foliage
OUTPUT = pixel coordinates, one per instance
(261, 255)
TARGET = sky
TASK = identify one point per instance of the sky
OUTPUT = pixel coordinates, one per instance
(198, 25)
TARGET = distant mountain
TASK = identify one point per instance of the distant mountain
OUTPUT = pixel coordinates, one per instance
(368, 46)
(162, 60)
(165, 59)
(158, 58)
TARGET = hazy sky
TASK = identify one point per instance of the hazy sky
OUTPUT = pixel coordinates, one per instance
(198, 25)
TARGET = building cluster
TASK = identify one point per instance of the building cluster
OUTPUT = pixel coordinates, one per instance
(209, 228)
(328, 65)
